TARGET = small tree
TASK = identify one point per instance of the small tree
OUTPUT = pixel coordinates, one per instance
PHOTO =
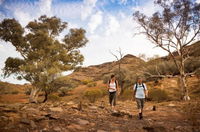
(119, 62)
(44, 56)
(173, 29)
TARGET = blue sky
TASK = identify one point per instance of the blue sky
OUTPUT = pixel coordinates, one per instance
(109, 25)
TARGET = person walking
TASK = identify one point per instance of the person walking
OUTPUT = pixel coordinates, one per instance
(112, 89)
(140, 93)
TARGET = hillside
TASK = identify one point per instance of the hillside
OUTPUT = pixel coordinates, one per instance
(97, 72)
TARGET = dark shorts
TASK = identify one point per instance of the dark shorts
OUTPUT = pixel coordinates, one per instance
(112, 98)
(140, 103)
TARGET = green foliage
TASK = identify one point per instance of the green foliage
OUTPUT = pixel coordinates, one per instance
(54, 98)
(44, 56)
(85, 82)
(15, 92)
(92, 84)
(64, 91)
(127, 95)
(192, 111)
(93, 94)
(158, 95)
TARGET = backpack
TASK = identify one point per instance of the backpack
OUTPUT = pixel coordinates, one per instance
(137, 87)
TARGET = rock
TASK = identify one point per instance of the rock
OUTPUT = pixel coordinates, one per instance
(25, 121)
(57, 129)
(155, 129)
(56, 109)
(74, 127)
(83, 122)
(4, 118)
(101, 131)
(93, 107)
(171, 105)
(70, 103)
(32, 123)
(9, 110)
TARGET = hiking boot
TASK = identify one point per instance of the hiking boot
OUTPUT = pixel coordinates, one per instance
(140, 116)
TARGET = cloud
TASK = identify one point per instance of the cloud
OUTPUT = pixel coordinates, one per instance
(87, 8)
(23, 17)
(113, 25)
(95, 21)
(197, 1)
(148, 8)
(45, 7)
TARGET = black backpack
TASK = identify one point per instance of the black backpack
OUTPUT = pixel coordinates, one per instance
(137, 87)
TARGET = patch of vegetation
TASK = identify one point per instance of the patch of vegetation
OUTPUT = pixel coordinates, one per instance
(64, 91)
(85, 82)
(192, 110)
(54, 98)
(14, 92)
(158, 95)
(92, 84)
(127, 95)
(93, 94)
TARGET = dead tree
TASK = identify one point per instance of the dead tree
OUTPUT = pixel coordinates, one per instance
(173, 29)
(119, 62)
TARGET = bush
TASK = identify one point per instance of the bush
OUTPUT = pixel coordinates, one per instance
(93, 94)
(158, 95)
(192, 110)
(92, 84)
(53, 97)
(63, 91)
(14, 92)
(127, 95)
(28, 90)
(85, 82)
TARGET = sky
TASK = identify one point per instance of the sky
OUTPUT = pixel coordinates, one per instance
(109, 25)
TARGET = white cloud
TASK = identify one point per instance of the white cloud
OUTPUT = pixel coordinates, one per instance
(22, 17)
(87, 8)
(113, 25)
(45, 7)
(148, 8)
(197, 1)
(95, 21)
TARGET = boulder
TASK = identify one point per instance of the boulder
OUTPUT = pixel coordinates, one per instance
(56, 109)
(83, 122)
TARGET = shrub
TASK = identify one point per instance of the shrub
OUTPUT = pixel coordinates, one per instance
(127, 95)
(14, 92)
(28, 90)
(63, 91)
(85, 82)
(92, 84)
(158, 95)
(53, 97)
(192, 110)
(93, 94)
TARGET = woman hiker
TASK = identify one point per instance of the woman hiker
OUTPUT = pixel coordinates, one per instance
(112, 89)
(140, 93)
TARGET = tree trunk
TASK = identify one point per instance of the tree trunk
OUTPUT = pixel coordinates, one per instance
(34, 95)
(184, 88)
(45, 97)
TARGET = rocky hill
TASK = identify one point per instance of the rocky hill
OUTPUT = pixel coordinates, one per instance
(97, 72)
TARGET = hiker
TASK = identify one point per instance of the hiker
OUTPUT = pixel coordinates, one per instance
(140, 93)
(112, 88)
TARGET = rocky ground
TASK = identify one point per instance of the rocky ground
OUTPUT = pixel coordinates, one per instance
(73, 117)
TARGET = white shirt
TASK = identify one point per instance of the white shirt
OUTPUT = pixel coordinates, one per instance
(112, 87)
(140, 91)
